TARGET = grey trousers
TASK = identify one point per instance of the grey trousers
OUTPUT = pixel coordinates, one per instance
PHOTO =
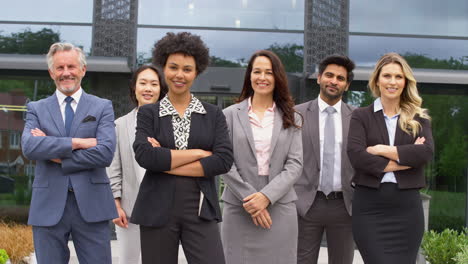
(329, 216)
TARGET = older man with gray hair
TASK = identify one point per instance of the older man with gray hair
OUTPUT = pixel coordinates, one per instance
(71, 136)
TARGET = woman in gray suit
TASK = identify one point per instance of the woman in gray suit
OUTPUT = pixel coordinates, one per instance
(260, 218)
(146, 87)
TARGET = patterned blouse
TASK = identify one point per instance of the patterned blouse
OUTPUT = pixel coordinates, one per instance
(181, 125)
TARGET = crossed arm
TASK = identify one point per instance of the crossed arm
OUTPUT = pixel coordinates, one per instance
(77, 143)
(391, 153)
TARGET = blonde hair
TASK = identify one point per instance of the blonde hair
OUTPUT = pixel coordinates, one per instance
(410, 101)
(63, 46)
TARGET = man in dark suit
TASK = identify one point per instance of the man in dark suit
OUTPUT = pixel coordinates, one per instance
(72, 138)
(324, 188)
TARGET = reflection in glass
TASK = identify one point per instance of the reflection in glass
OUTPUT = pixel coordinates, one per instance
(236, 46)
(420, 17)
(264, 14)
(78, 35)
(367, 50)
(47, 10)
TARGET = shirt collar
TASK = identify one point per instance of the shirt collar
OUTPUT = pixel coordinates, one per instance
(379, 107)
(76, 96)
(269, 109)
(322, 105)
(166, 107)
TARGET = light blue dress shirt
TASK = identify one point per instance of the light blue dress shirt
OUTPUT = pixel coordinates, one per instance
(391, 123)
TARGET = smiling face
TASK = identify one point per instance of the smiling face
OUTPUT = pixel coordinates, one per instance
(67, 72)
(333, 83)
(391, 82)
(147, 87)
(261, 77)
(180, 72)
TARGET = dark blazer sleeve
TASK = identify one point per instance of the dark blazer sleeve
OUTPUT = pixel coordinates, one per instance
(358, 142)
(221, 160)
(418, 155)
(153, 159)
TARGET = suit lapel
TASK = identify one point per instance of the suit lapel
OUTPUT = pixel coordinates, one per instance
(277, 126)
(56, 114)
(345, 119)
(399, 135)
(312, 123)
(130, 129)
(380, 121)
(81, 110)
(195, 129)
(243, 118)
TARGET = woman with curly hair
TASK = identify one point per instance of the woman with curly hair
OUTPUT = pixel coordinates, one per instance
(389, 142)
(260, 218)
(183, 144)
(146, 87)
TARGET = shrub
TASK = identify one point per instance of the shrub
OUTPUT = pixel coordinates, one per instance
(462, 256)
(17, 241)
(441, 248)
(3, 256)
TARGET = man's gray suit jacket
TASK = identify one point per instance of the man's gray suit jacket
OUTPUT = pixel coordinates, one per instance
(307, 185)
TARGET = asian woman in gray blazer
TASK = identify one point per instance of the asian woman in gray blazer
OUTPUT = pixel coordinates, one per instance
(260, 218)
(147, 86)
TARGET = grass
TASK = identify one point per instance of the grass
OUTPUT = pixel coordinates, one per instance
(17, 240)
(447, 210)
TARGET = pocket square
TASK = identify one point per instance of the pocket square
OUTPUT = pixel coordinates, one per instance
(88, 119)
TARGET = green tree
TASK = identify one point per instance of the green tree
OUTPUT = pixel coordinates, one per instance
(292, 56)
(220, 62)
(28, 42)
(421, 61)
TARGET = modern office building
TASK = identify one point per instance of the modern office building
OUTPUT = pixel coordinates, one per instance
(119, 34)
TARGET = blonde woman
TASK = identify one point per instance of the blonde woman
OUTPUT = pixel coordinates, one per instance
(389, 142)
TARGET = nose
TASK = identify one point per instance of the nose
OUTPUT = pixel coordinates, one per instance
(179, 74)
(392, 80)
(66, 71)
(334, 80)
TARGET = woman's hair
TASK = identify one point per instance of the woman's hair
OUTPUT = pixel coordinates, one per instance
(281, 95)
(185, 43)
(410, 101)
(133, 82)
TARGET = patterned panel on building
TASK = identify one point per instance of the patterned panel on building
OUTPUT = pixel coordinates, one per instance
(114, 28)
(326, 30)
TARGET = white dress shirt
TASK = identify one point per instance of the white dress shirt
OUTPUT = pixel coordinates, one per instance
(61, 101)
(337, 187)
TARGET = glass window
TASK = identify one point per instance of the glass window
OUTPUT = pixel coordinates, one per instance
(47, 10)
(78, 35)
(367, 50)
(420, 17)
(236, 46)
(15, 139)
(264, 14)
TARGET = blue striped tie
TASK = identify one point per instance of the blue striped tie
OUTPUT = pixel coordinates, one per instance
(69, 114)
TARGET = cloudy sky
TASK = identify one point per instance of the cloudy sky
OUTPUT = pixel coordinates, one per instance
(415, 17)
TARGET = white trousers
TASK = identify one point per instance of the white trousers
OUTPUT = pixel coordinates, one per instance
(129, 244)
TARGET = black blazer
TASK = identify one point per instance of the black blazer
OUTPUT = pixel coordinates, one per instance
(156, 195)
(367, 128)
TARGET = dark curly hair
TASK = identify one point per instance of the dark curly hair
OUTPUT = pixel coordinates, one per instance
(132, 87)
(185, 43)
(281, 95)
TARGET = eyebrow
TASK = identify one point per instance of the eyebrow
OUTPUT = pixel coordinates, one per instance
(173, 63)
